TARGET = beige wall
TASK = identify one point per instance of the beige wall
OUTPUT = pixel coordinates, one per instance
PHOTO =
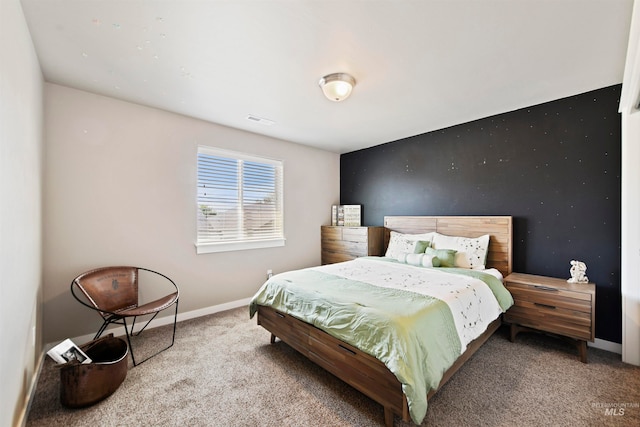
(20, 212)
(120, 189)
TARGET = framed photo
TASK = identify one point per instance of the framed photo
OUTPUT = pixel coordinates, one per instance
(346, 215)
(352, 215)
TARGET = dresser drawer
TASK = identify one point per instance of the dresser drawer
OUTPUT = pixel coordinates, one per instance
(331, 234)
(346, 243)
(360, 234)
(345, 247)
(333, 257)
(345, 234)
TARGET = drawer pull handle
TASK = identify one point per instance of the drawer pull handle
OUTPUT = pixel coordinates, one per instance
(280, 315)
(545, 288)
(346, 349)
(545, 305)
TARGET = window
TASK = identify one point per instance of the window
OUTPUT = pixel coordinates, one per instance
(239, 201)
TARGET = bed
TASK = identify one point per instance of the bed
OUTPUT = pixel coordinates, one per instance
(380, 356)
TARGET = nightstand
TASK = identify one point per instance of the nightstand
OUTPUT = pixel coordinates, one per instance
(346, 243)
(552, 305)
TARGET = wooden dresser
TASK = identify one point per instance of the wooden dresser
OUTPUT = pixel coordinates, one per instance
(346, 243)
(552, 305)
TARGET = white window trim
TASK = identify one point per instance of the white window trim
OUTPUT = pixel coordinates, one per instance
(204, 248)
(207, 248)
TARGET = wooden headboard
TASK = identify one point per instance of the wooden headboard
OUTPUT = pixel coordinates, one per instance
(499, 228)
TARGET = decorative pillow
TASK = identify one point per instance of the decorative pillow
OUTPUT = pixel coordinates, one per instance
(409, 243)
(446, 257)
(471, 252)
(422, 245)
(415, 259)
(495, 273)
(419, 260)
(430, 261)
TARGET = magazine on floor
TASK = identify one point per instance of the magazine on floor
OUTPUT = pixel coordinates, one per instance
(67, 351)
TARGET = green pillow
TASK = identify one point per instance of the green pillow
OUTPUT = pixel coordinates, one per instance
(421, 246)
(447, 257)
(430, 261)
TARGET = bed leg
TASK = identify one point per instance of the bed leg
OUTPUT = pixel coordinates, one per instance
(388, 417)
(273, 339)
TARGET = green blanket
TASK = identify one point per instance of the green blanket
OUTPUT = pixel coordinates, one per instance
(395, 326)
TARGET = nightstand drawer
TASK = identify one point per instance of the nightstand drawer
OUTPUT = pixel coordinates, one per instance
(549, 296)
(571, 323)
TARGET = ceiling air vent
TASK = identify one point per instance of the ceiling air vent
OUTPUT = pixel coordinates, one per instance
(260, 120)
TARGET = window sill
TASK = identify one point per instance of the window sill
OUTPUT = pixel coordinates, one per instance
(207, 248)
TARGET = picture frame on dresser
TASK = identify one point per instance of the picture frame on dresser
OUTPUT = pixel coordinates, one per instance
(346, 215)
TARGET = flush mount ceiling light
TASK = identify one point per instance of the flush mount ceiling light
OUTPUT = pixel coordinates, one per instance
(337, 86)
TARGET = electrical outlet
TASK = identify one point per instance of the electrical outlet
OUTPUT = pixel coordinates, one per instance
(269, 274)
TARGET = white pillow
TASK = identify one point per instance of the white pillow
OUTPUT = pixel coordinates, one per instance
(472, 252)
(495, 273)
(408, 243)
(430, 261)
(415, 259)
(418, 260)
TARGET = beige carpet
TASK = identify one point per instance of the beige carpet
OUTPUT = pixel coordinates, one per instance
(222, 371)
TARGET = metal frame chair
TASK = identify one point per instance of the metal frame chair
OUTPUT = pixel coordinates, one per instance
(113, 293)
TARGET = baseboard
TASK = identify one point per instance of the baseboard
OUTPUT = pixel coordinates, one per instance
(167, 320)
(613, 347)
(22, 419)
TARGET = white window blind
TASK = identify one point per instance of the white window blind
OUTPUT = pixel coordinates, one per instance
(239, 201)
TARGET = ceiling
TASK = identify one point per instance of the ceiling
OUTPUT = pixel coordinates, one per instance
(419, 65)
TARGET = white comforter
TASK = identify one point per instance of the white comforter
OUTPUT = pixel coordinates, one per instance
(472, 303)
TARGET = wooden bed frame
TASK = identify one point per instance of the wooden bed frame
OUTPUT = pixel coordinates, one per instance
(364, 372)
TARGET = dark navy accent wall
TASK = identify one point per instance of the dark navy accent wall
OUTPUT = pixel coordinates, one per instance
(554, 167)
